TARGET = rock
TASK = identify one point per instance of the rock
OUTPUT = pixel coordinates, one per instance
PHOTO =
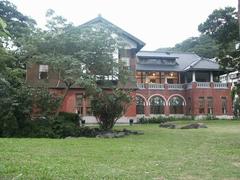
(117, 134)
(120, 134)
(106, 135)
(167, 125)
(194, 126)
(133, 132)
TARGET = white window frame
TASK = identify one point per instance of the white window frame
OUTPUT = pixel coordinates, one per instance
(43, 68)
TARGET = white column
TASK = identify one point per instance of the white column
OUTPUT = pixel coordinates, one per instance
(211, 77)
(165, 80)
(193, 76)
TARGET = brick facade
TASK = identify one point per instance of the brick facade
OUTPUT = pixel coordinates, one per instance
(193, 95)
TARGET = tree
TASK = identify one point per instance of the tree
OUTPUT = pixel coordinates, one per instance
(84, 57)
(17, 24)
(16, 98)
(203, 46)
(222, 26)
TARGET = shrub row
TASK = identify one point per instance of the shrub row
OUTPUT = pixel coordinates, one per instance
(160, 119)
(66, 124)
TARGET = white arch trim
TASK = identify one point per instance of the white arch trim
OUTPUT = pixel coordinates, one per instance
(145, 100)
(165, 101)
(178, 96)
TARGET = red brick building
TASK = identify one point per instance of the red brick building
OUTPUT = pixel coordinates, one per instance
(176, 84)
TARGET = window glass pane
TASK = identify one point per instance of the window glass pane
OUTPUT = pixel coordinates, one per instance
(210, 105)
(189, 104)
(43, 71)
(201, 102)
(224, 105)
(43, 68)
(157, 105)
(176, 105)
(139, 105)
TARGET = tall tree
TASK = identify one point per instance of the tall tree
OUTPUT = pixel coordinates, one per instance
(222, 26)
(84, 57)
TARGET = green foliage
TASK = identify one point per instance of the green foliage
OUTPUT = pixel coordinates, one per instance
(219, 36)
(64, 127)
(17, 24)
(161, 119)
(236, 107)
(204, 46)
(71, 117)
(3, 30)
(236, 102)
(45, 102)
(108, 107)
(84, 57)
(221, 25)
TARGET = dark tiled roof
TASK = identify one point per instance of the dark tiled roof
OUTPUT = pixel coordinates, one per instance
(155, 54)
(204, 64)
(140, 43)
(185, 62)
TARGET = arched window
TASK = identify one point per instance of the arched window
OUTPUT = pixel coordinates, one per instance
(176, 104)
(157, 105)
(139, 105)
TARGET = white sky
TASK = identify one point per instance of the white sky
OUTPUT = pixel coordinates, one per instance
(159, 23)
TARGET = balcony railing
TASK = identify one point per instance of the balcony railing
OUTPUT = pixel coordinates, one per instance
(220, 85)
(141, 85)
(155, 86)
(176, 86)
(189, 86)
(204, 85)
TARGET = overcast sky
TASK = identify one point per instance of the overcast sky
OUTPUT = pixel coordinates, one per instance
(159, 23)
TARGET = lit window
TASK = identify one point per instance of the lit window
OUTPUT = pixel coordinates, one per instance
(43, 71)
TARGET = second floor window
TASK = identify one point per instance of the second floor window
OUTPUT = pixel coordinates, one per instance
(43, 71)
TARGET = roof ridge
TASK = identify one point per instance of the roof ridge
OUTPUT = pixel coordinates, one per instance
(171, 52)
(130, 36)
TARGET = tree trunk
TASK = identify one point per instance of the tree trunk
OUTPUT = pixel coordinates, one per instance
(61, 102)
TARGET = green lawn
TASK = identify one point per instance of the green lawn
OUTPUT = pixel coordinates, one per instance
(212, 153)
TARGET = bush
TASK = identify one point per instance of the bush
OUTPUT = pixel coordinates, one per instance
(66, 124)
(40, 127)
(8, 125)
(64, 127)
(160, 119)
(70, 117)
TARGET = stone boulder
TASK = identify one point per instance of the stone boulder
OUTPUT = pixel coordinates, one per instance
(194, 126)
(118, 134)
(168, 125)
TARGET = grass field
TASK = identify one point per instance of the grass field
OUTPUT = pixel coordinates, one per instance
(212, 153)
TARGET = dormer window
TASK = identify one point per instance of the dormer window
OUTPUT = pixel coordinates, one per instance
(43, 71)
